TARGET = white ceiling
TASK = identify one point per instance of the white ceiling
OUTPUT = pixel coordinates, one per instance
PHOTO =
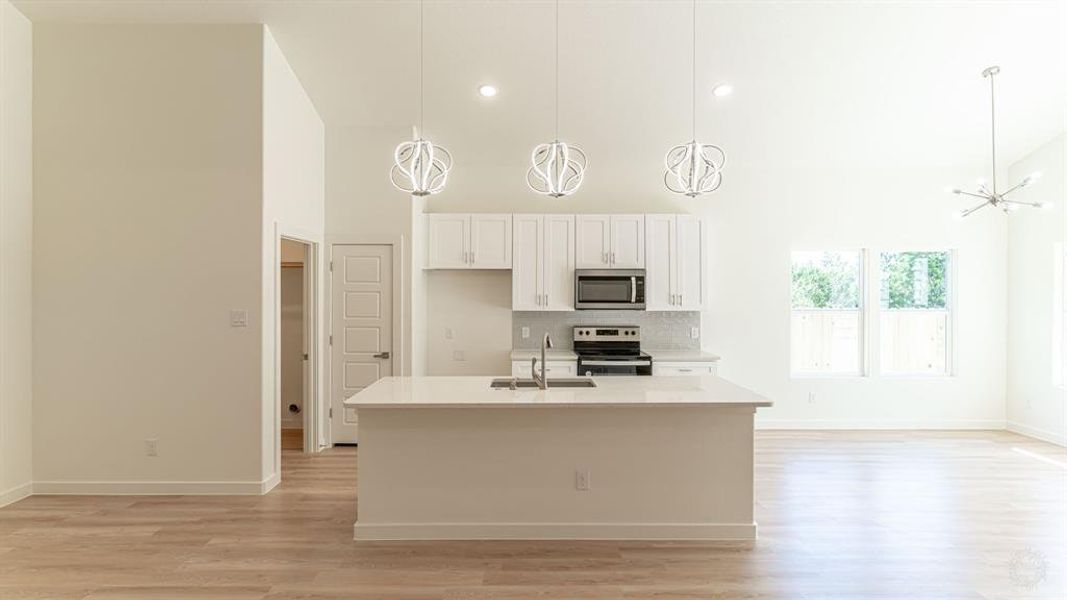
(893, 84)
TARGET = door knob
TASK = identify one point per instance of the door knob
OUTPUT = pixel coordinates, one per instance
(382, 355)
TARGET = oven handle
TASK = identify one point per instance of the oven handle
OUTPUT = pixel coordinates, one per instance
(633, 290)
(616, 363)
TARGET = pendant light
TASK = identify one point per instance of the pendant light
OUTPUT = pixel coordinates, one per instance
(558, 168)
(694, 168)
(419, 167)
(989, 195)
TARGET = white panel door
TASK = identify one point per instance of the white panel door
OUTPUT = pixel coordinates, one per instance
(490, 246)
(593, 241)
(627, 241)
(362, 331)
(558, 286)
(690, 262)
(448, 244)
(526, 260)
(659, 262)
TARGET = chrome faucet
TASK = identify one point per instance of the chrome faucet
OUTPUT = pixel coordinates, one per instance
(542, 381)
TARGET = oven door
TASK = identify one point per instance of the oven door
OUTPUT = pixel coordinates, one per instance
(609, 289)
(596, 367)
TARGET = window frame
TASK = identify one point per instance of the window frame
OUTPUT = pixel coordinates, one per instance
(863, 290)
(950, 307)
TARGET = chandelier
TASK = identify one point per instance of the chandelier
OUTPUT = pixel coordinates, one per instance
(989, 194)
(557, 167)
(420, 168)
(694, 168)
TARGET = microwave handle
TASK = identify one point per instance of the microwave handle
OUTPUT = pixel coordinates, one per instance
(633, 290)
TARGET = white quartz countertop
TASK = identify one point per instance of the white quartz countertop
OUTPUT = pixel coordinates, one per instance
(681, 355)
(549, 355)
(473, 392)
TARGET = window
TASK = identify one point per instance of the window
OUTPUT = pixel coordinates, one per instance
(827, 320)
(915, 319)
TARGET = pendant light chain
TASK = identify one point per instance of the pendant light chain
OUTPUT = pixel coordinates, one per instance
(557, 71)
(993, 127)
(694, 70)
(420, 167)
(557, 169)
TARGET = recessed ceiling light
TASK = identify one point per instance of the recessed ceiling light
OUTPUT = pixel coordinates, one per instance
(722, 90)
(487, 91)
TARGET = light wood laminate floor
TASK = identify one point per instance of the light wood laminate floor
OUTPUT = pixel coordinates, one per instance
(856, 515)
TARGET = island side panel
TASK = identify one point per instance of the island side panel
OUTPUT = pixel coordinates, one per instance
(510, 473)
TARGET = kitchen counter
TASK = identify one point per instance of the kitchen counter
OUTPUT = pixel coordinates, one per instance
(650, 458)
(463, 392)
(681, 355)
(550, 355)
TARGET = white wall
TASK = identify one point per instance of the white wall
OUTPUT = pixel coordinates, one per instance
(1035, 402)
(476, 307)
(148, 230)
(293, 204)
(16, 231)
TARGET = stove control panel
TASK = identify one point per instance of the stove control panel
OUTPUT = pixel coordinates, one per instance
(583, 333)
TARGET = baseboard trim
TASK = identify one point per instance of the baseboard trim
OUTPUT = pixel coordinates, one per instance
(153, 488)
(897, 424)
(366, 532)
(1037, 433)
(16, 493)
(270, 483)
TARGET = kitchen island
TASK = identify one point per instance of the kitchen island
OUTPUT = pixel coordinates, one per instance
(632, 458)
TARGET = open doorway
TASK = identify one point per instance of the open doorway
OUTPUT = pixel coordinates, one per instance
(295, 328)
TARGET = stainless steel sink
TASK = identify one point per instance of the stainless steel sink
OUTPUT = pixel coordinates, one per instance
(526, 384)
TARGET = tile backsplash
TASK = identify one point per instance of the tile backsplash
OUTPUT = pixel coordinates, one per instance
(659, 330)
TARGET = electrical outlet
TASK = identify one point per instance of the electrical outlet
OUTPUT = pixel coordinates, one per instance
(694, 333)
(457, 355)
(151, 448)
(581, 480)
(525, 332)
(448, 333)
(238, 318)
(811, 397)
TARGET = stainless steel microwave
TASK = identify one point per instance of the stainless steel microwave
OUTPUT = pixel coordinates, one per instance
(609, 289)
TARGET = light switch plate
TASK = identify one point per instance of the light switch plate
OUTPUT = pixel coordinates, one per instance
(457, 355)
(448, 333)
(525, 332)
(694, 333)
(238, 318)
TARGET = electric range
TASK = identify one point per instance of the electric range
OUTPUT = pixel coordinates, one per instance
(610, 350)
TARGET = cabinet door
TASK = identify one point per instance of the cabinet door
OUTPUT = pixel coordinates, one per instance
(592, 241)
(526, 262)
(490, 246)
(558, 278)
(627, 241)
(690, 262)
(448, 241)
(659, 262)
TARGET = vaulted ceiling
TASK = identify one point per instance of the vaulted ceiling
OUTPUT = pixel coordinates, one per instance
(896, 84)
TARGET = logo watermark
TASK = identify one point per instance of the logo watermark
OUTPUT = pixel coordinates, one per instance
(1028, 567)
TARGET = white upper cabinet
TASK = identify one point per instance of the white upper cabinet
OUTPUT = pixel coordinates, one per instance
(559, 262)
(526, 264)
(460, 241)
(593, 241)
(691, 262)
(542, 275)
(610, 241)
(627, 241)
(675, 255)
(449, 241)
(490, 242)
(660, 238)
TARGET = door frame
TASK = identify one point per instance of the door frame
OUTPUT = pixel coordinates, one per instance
(396, 244)
(312, 320)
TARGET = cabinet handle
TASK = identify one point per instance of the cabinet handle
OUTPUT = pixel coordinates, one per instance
(685, 370)
(472, 257)
(612, 258)
(679, 299)
(604, 257)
